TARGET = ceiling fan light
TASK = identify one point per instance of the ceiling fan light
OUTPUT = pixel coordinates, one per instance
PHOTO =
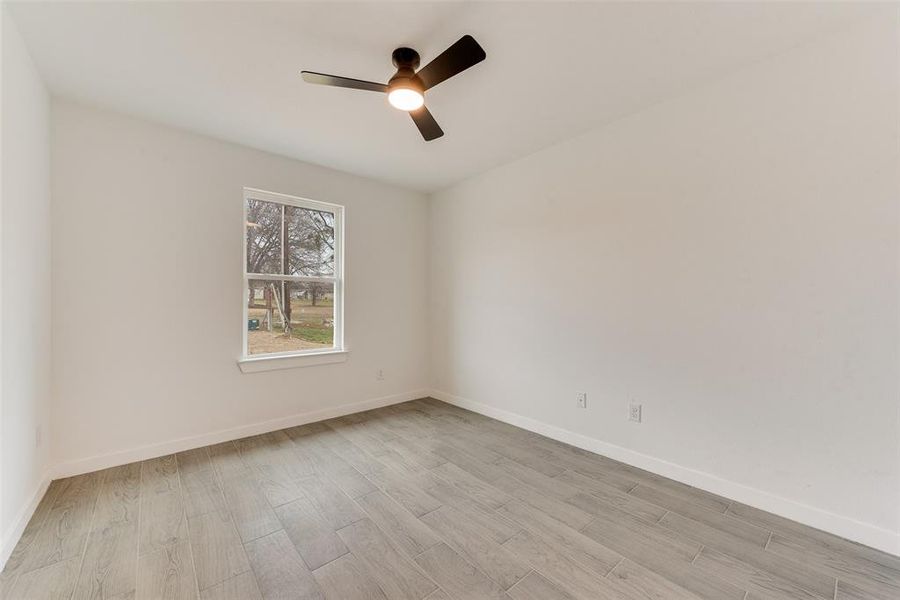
(406, 99)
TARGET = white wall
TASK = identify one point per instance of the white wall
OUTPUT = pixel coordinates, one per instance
(25, 298)
(147, 294)
(729, 259)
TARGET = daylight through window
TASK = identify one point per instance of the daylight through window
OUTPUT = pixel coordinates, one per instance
(292, 275)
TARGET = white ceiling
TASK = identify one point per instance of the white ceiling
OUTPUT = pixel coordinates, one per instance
(553, 70)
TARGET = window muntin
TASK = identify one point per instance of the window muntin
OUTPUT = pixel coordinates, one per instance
(292, 275)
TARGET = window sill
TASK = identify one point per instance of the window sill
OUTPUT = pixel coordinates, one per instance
(273, 363)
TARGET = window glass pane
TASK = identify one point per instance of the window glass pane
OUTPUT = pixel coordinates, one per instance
(308, 313)
(263, 237)
(310, 242)
(308, 236)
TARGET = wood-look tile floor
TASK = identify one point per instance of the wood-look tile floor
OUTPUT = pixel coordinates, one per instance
(418, 501)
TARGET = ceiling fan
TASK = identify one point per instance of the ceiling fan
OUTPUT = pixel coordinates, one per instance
(406, 89)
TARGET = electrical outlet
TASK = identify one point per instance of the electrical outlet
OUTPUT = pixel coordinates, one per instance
(379, 375)
(634, 412)
(581, 398)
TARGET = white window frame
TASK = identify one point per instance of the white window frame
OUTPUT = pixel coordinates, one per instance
(299, 358)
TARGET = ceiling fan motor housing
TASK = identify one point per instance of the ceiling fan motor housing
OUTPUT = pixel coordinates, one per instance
(407, 61)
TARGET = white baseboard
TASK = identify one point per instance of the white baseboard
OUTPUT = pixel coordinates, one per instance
(11, 537)
(845, 527)
(122, 457)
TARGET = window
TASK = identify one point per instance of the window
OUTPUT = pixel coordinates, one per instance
(292, 276)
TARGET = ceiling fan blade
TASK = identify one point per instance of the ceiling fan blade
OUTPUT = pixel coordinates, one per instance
(464, 53)
(344, 82)
(428, 127)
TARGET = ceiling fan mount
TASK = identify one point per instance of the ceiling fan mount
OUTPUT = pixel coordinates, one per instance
(404, 58)
(406, 89)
